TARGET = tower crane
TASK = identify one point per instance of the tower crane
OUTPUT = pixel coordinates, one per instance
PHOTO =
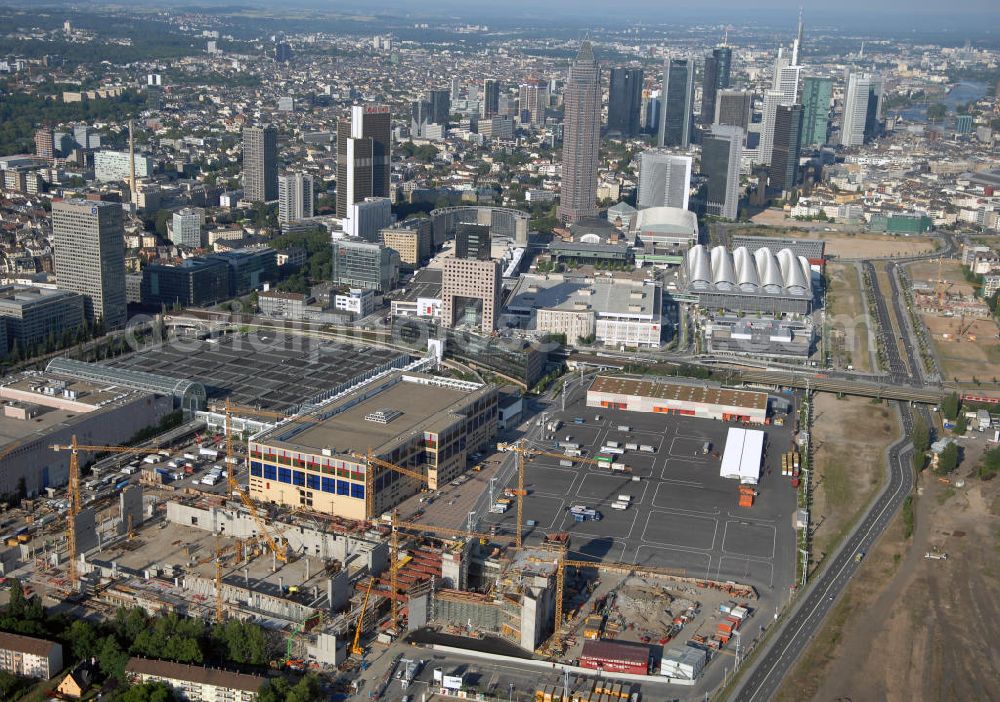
(74, 490)
(524, 453)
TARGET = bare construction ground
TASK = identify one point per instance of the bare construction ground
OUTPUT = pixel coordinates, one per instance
(911, 627)
(846, 312)
(845, 242)
(850, 437)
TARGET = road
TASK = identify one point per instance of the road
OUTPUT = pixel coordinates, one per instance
(762, 680)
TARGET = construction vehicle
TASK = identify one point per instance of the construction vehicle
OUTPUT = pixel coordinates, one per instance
(74, 491)
(356, 649)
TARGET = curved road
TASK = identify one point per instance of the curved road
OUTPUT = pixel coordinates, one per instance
(762, 679)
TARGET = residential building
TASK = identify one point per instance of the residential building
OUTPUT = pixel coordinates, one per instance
(363, 147)
(664, 180)
(366, 218)
(733, 108)
(721, 151)
(363, 264)
(32, 315)
(718, 72)
(470, 293)
(260, 163)
(581, 137)
(816, 96)
(195, 683)
(624, 101)
(783, 169)
(862, 109)
(473, 241)
(677, 103)
(110, 166)
(411, 239)
(186, 227)
(29, 657)
(295, 197)
(89, 238)
(45, 145)
(194, 282)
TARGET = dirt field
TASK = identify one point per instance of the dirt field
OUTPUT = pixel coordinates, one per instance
(850, 437)
(914, 628)
(845, 313)
(951, 271)
(965, 359)
(847, 243)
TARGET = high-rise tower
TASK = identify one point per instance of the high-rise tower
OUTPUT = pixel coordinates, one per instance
(363, 143)
(718, 72)
(581, 137)
(260, 163)
(677, 99)
(624, 101)
(491, 97)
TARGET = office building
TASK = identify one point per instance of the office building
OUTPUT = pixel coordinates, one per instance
(498, 127)
(28, 657)
(473, 241)
(470, 293)
(721, 151)
(249, 269)
(783, 169)
(185, 227)
(260, 163)
(90, 257)
(581, 138)
(862, 109)
(365, 219)
(664, 180)
(440, 102)
(534, 99)
(420, 118)
(732, 108)
(425, 423)
(282, 52)
(784, 91)
(718, 72)
(194, 282)
(111, 166)
(363, 147)
(411, 239)
(816, 96)
(31, 315)
(85, 137)
(490, 106)
(677, 101)
(357, 302)
(45, 145)
(295, 197)
(625, 101)
(358, 263)
(194, 683)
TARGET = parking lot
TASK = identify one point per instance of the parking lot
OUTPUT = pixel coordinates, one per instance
(681, 513)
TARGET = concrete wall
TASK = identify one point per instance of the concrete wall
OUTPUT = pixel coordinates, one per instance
(301, 539)
(86, 530)
(249, 598)
(130, 505)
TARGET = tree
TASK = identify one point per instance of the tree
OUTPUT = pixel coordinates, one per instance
(16, 603)
(921, 436)
(936, 112)
(274, 690)
(950, 406)
(82, 639)
(111, 658)
(948, 460)
(146, 692)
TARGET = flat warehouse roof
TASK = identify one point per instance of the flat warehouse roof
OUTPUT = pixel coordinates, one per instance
(680, 392)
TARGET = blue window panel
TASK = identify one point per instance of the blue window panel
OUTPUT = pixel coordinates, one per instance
(312, 481)
(329, 485)
(285, 475)
(270, 472)
(255, 464)
(358, 491)
(343, 487)
(256, 470)
(298, 478)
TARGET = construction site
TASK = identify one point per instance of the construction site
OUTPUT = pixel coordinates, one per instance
(303, 524)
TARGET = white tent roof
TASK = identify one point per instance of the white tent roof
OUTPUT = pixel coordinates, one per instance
(743, 455)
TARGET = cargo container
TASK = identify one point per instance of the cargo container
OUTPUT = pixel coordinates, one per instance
(211, 453)
(604, 458)
(566, 463)
(647, 448)
(625, 498)
(624, 427)
(613, 450)
(632, 446)
(614, 444)
(619, 505)
(619, 468)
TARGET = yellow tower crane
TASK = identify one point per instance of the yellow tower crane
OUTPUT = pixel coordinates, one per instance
(74, 490)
